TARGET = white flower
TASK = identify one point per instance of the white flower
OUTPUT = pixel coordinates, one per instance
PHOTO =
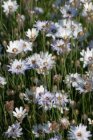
(74, 79)
(39, 91)
(9, 7)
(41, 25)
(14, 131)
(79, 133)
(46, 100)
(32, 61)
(32, 34)
(60, 46)
(90, 121)
(64, 32)
(26, 46)
(52, 31)
(14, 47)
(66, 11)
(17, 66)
(88, 8)
(61, 99)
(87, 56)
(2, 81)
(20, 113)
(45, 63)
(38, 130)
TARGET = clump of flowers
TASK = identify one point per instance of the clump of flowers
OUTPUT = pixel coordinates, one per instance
(42, 62)
(46, 69)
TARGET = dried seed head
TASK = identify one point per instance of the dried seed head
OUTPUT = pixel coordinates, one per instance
(57, 78)
(84, 117)
(10, 92)
(21, 96)
(73, 104)
(26, 107)
(5, 43)
(9, 105)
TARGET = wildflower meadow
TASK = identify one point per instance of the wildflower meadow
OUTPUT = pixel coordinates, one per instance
(46, 69)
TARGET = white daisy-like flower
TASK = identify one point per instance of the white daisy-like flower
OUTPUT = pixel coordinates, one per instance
(2, 81)
(38, 130)
(41, 25)
(32, 34)
(79, 133)
(73, 79)
(45, 63)
(9, 6)
(61, 99)
(39, 92)
(14, 131)
(60, 46)
(32, 61)
(90, 121)
(46, 101)
(87, 56)
(14, 47)
(64, 32)
(26, 46)
(66, 11)
(53, 29)
(88, 7)
(20, 113)
(17, 66)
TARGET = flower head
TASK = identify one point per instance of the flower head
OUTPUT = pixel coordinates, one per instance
(20, 113)
(87, 57)
(2, 81)
(9, 7)
(32, 34)
(14, 131)
(17, 66)
(79, 133)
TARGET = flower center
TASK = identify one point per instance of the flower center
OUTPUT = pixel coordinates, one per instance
(19, 67)
(10, 7)
(24, 45)
(90, 58)
(59, 98)
(15, 50)
(19, 115)
(79, 134)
